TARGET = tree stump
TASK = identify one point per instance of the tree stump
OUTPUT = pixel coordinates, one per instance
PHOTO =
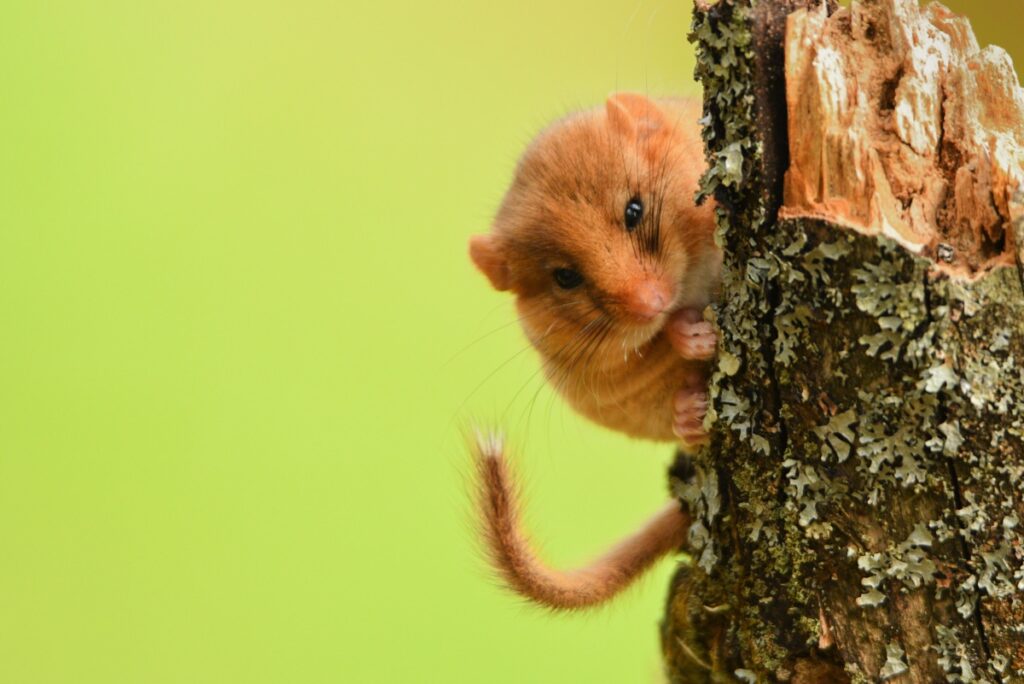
(859, 512)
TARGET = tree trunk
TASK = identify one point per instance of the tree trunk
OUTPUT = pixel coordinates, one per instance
(859, 511)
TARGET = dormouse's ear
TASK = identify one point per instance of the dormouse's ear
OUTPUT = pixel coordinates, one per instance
(489, 259)
(634, 115)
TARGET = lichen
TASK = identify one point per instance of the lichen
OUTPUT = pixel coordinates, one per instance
(895, 664)
(726, 64)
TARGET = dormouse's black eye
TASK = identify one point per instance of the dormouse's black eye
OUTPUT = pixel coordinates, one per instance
(567, 278)
(634, 212)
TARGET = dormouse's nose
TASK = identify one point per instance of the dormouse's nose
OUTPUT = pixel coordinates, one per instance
(647, 299)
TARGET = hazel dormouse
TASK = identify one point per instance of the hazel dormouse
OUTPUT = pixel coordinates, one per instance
(611, 263)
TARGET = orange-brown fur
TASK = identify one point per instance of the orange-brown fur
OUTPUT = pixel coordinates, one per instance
(510, 552)
(565, 208)
(603, 346)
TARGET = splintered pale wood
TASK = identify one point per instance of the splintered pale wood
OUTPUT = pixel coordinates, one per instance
(901, 125)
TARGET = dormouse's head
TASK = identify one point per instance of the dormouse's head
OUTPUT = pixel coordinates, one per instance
(598, 236)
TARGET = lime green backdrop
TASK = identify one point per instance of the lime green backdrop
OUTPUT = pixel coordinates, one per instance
(240, 337)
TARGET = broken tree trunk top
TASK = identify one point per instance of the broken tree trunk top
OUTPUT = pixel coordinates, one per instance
(901, 125)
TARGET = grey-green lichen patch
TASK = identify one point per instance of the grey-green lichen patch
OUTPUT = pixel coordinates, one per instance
(895, 663)
(907, 563)
(837, 437)
(726, 63)
(984, 439)
(748, 676)
(955, 658)
(702, 498)
(725, 68)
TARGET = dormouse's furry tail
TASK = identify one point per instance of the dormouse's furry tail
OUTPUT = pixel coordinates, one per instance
(511, 555)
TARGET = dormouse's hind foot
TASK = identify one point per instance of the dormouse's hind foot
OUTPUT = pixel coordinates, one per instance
(689, 408)
(688, 424)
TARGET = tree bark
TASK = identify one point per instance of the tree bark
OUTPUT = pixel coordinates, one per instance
(859, 510)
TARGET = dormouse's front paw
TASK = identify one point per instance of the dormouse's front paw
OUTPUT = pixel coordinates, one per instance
(689, 408)
(691, 336)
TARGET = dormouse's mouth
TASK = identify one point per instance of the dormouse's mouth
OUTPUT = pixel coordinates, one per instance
(638, 334)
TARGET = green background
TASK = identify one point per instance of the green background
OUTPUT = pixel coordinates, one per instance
(240, 338)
